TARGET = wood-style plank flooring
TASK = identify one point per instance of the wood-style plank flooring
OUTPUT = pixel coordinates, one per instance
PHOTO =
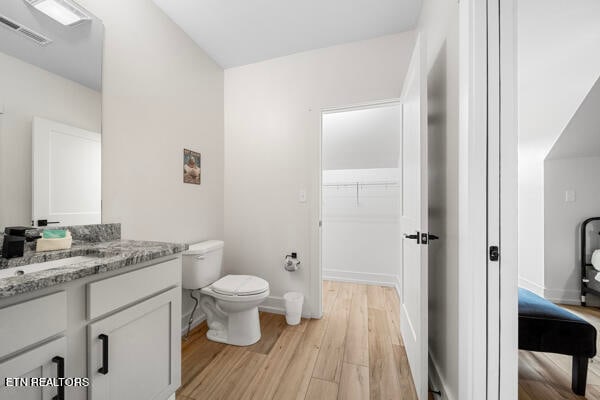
(354, 352)
(548, 376)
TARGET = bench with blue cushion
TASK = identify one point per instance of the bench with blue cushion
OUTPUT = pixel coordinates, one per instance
(545, 327)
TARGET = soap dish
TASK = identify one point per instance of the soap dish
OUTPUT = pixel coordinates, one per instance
(54, 244)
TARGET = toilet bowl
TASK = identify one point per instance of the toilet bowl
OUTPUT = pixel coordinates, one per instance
(230, 302)
(231, 309)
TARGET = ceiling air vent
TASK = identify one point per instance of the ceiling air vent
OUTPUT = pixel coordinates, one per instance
(24, 31)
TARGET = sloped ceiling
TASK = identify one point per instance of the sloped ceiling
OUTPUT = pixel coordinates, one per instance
(238, 32)
(581, 138)
(559, 62)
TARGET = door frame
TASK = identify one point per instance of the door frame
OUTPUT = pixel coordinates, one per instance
(488, 361)
(316, 240)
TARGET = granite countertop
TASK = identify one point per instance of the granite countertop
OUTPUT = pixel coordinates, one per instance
(112, 255)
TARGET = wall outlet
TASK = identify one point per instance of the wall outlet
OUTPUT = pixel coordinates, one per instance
(569, 196)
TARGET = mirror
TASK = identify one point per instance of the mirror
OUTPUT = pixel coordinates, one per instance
(50, 113)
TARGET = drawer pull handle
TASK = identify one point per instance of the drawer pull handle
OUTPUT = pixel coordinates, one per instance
(104, 369)
(60, 374)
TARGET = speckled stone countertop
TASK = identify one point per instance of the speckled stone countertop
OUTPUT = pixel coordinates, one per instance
(111, 255)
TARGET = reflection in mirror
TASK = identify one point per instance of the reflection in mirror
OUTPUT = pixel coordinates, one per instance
(50, 115)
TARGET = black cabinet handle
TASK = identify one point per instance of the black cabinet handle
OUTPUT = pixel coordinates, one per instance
(104, 369)
(433, 237)
(60, 374)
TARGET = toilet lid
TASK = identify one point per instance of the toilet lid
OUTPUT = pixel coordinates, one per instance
(240, 285)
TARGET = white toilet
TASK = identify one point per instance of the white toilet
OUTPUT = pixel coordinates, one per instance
(230, 302)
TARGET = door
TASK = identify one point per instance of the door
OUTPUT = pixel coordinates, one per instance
(46, 361)
(135, 354)
(66, 174)
(414, 312)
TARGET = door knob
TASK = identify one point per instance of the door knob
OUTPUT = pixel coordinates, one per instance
(416, 237)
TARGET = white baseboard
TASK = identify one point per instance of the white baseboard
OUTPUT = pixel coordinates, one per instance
(561, 296)
(366, 278)
(437, 383)
(534, 287)
(272, 304)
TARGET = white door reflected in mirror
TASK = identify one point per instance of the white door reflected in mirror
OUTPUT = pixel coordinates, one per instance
(66, 174)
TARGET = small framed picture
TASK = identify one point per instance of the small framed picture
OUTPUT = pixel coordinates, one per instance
(191, 167)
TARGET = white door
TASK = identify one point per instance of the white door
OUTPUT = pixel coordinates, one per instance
(414, 312)
(135, 354)
(66, 174)
(45, 361)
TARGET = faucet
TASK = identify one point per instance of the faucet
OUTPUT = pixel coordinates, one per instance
(13, 244)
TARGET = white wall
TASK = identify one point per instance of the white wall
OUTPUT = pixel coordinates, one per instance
(272, 149)
(563, 219)
(161, 94)
(360, 237)
(439, 22)
(556, 71)
(27, 91)
(362, 138)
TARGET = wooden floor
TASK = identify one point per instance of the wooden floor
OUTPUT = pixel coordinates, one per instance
(354, 352)
(548, 376)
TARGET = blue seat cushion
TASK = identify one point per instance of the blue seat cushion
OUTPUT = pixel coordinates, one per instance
(545, 327)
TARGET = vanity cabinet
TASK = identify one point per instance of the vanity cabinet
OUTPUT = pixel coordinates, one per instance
(121, 330)
(134, 354)
(44, 361)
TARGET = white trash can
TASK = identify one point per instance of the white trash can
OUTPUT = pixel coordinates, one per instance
(293, 307)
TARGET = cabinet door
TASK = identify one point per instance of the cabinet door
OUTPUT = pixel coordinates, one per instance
(40, 362)
(135, 354)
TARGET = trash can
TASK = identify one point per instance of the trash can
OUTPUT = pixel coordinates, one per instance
(293, 307)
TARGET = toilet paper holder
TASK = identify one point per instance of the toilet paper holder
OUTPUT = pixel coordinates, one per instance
(291, 262)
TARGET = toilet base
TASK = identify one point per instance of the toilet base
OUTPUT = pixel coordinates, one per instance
(238, 328)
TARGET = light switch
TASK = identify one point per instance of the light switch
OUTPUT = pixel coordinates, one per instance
(302, 196)
(569, 196)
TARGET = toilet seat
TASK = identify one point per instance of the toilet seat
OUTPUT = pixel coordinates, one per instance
(240, 285)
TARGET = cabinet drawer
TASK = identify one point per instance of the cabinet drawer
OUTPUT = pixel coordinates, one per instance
(39, 362)
(27, 323)
(110, 294)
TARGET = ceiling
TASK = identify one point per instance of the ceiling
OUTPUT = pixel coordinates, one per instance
(239, 32)
(75, 53)
(581, 138)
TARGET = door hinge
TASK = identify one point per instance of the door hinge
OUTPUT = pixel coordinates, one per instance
(494, 253)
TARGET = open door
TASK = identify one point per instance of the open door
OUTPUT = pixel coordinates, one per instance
(414, 306)
(66, 174)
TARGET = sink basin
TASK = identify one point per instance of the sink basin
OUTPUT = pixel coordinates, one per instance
(28, 269)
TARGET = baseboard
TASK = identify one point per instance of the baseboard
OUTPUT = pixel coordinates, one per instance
(561, 296)
(366, 278)
(276, 305)
(534, 287)
(437, 383)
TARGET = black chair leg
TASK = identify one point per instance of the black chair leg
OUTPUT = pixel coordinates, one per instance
(579, 375)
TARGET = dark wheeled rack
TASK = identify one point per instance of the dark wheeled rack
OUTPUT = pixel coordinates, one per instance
(584, 264)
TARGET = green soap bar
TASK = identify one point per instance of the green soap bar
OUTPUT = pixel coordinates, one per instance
(54, 234)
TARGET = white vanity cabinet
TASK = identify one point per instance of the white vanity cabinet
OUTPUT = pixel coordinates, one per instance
(44, 361)
(119, 329)
(134, 354)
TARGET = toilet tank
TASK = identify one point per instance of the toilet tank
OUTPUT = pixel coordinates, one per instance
(202, 264)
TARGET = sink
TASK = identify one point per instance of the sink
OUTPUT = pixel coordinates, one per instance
(30, 268)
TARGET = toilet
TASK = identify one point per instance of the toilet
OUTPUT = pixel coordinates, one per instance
(230, 302)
